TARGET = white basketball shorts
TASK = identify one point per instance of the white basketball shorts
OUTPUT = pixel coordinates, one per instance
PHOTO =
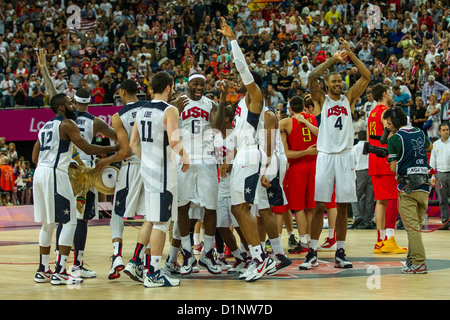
(335, 171)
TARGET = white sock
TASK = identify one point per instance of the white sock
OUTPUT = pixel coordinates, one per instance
(196, 238)
(173, 253)
(45, 258)
(155, 262)
(390, 233)
(208, 242)
(331, 233)
(314, 244)
(340, 244)
(186, 243)
(303, 239)
(277, 247)
(237, 254)
(255, 252)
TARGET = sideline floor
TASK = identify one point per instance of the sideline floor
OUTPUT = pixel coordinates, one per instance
(374, 276)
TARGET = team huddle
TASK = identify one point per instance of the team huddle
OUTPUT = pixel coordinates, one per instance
(181, 154)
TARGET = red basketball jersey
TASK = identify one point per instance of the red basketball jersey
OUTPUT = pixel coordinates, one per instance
(301, 138)
(377, 165)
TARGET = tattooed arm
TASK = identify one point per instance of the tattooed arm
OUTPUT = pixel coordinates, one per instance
(317, 94)
(48, 81)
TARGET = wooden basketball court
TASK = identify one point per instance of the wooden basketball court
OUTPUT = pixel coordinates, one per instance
(373, 276)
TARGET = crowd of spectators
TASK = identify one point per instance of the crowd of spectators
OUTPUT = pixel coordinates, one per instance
(16, 176)
(404, 43)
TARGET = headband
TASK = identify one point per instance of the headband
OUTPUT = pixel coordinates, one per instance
(196, 76)
(82, 100)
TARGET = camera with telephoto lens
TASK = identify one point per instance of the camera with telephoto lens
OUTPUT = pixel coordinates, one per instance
(378, 151)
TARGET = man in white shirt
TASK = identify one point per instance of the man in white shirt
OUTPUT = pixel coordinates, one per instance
(363, 208)
(7, 88)
(440, 161)
(271, 50)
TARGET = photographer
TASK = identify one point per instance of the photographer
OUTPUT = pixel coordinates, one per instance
(407, 157)
(383, 179)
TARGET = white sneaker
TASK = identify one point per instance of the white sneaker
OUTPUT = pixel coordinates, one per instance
(171, 267)
(159, 279)
(340, 260)
(207, 260)
(237, 267)
(189, 263)
(260, 268)
(223, 263)
(135, 271)
(117, 266)
(82, 272)
(310, 260)
(64, 279)
(43, 277)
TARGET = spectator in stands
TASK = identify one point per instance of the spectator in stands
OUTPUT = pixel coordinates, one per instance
(38, 94)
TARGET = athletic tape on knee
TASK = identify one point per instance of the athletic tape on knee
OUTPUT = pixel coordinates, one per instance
(241, 65)
(163, 226)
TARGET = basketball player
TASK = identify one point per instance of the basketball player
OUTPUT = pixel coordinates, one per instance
(155, 139)
(129, 192)
(335, 162)
(299, 136)
(200, 184)
(89, 126)
(270, 191)
(52, 191)
(383, 179)
(224, 145)
(247, 164)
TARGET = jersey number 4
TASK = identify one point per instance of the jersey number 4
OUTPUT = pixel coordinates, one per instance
(338, 123)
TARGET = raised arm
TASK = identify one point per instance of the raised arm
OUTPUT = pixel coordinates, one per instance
(48, 81)
(100, 126)
(317, 94)
(360, 86)
(256, 97)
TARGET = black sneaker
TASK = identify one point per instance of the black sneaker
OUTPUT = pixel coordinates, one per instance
(292, 242)
(310, 261)
(282, 262)
(340, 260)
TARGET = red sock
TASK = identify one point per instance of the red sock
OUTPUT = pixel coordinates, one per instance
(391, 213)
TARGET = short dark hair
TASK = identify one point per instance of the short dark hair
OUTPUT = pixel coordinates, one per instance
(332, 73)
(362, 135)
(57, 100)
(397, 115)
(378, 90)
(444, 124)
(129, 86)
(297, 104)
(83, 93)
(160, 81)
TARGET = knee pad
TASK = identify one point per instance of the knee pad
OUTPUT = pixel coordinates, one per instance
(45, 236)
(67, 234)
(116, 226)
(162, 226)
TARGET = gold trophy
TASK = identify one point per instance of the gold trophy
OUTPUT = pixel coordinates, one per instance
(83, 178)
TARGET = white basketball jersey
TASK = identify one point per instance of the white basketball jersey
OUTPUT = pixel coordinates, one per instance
(85, 121)
(156, 161)
(196, 132)
(127, 115)
(223, 147)
(54, 152)
(336, 131)
(248, 126)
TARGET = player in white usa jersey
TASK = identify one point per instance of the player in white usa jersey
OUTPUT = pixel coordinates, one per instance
(335, 163)
(245, 174)
(54, 201)
(129, 192)
(200, 184)
(155, 138)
